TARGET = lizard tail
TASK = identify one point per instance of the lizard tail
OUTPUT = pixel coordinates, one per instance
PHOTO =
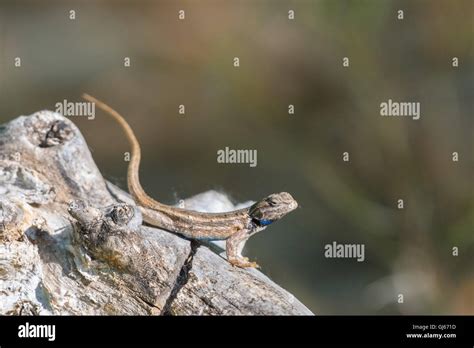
(133, 181)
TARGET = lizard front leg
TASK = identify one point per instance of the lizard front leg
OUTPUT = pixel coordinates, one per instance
(234, 245)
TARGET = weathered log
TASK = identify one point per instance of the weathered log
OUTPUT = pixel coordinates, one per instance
(72, 243)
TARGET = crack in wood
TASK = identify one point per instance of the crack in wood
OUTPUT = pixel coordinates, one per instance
(181, 280)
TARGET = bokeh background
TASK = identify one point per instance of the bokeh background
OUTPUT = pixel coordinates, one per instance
(282, 62)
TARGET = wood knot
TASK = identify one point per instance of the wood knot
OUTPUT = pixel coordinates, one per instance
(58, 134)
(121, 214)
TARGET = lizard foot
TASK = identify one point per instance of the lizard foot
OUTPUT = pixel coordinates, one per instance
(243, 262)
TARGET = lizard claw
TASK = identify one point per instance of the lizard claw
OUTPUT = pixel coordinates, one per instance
(243, 263)
(254, 265)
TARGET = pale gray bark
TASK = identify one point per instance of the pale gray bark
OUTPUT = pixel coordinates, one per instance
(71, 243)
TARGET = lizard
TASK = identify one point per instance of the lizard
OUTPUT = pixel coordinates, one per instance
(235, 227)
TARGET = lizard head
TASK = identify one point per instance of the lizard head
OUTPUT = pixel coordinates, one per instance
(272, 208)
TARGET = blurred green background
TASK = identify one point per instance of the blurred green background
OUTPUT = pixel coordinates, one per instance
(282, 62)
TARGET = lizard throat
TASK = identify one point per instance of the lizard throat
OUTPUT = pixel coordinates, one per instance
(262, 222)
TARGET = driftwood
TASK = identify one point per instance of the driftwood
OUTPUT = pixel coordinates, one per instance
(72, 243)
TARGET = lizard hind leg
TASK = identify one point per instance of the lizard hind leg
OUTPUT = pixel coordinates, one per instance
(234, 246)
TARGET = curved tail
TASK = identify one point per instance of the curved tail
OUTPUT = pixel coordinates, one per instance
(133, 181)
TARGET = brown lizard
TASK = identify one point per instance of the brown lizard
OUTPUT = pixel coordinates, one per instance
(234, 227)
